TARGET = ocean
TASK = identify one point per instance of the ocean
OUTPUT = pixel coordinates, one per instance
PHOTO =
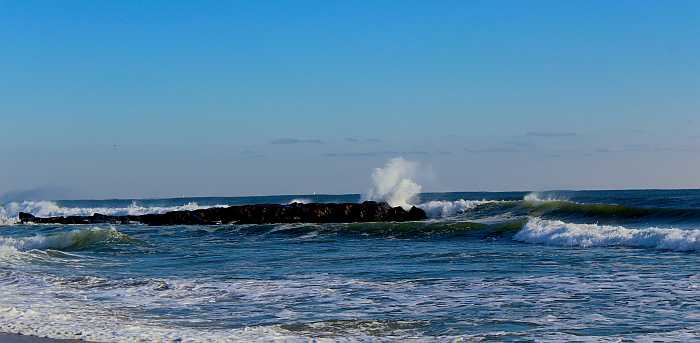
(604, 266)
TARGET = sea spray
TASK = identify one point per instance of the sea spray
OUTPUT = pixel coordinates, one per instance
(544, 197)
(394, 183)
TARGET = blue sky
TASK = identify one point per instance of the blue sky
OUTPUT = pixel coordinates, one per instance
(169, 98)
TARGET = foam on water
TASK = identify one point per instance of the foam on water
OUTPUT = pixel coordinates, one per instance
(356, 282)
(97, 309)
(95, 326)
(94, 309)
(555, 232)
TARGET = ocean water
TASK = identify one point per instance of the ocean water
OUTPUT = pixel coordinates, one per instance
(554, 266)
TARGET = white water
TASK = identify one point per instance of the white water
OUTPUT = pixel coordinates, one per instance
(299, 201)
(59, 241)
(394, 183)
(444, 209)
(539, 197)
(558, 233)
(91, 308)
(93, 325)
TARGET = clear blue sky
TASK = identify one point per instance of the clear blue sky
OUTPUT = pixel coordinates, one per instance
(166, 98)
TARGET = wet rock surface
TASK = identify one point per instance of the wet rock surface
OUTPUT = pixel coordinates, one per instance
(368, 211)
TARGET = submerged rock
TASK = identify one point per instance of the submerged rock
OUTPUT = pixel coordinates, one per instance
(368, 211)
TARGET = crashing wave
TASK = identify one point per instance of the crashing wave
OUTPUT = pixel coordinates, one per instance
(558, 233)
(394, 183)
(71, 240)
(4, 220)
(444, 209)
(567, 210)
(540, 197)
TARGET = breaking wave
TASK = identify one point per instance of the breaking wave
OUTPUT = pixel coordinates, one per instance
(558, 233)
(567, 210)
(445, 209)
(540, 197)
(299, 201)
(394, 183)
(71, 240)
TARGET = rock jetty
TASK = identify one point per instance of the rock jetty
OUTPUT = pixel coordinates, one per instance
(368, 211)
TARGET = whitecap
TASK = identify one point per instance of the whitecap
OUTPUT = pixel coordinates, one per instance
(558, 233)
(299, 201)
(443, 208)
(60, 241)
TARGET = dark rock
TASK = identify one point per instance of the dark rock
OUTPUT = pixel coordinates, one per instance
(368, 211)
(416, 213)
(25, 217)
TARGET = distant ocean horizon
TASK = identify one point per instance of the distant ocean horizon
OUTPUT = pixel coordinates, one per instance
(20, 196)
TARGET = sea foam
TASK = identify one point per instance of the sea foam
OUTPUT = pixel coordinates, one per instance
(31, 307)
(558, 233)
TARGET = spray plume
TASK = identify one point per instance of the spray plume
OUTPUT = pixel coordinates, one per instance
(394, 183)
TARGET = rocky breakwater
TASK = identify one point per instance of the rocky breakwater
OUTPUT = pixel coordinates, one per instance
(368, 211)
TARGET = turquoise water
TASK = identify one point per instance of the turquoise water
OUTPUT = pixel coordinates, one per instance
(557, 266)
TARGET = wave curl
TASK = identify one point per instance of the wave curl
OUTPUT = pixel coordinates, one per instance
(445, 209)
(558, 233)
(71, 240)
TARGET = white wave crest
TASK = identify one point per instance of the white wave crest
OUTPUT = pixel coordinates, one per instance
(9, 212)
(558, 233)
(60, 241)
(299, 201)
(442, 208)
(4, 220)
(539, 197)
